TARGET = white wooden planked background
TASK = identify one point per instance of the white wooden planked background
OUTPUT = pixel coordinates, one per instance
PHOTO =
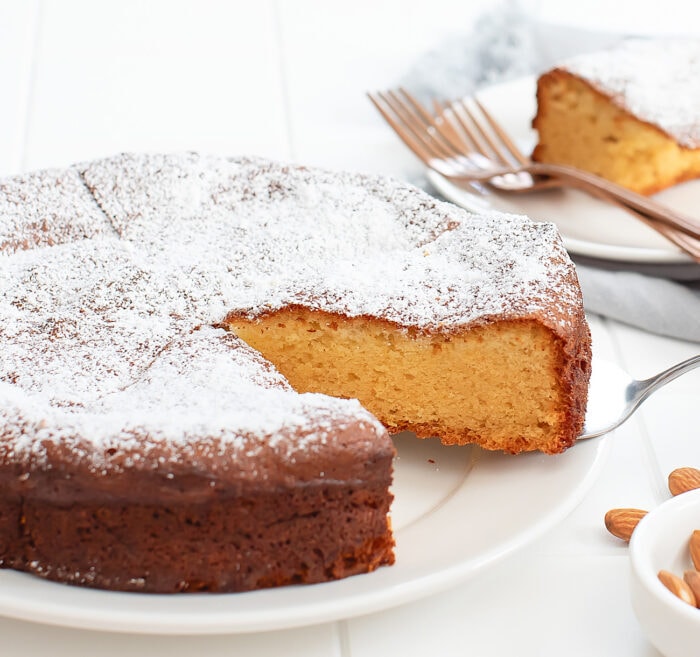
(286, 79)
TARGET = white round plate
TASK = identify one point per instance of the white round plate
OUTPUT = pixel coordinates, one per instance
(456, 511)
(588, 226)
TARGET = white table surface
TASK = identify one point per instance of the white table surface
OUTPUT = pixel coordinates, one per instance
(287, 80)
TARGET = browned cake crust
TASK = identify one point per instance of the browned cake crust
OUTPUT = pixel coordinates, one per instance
(219, 513)
(139, 531)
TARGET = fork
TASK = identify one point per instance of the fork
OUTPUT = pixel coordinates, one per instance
(503, 150)
(437, 145)
(455, 144)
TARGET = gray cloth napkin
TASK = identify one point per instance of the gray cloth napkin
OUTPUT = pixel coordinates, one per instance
(659, 305)
(505, 43)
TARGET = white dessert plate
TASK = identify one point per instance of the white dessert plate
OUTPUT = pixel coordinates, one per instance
(456, 511)
(588, 226)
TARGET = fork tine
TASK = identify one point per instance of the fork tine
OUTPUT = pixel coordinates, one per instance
(424, 132)
(432, 121)
(418, 106)
(485, 135)
(466, 124)
(429, 124)
(503, 135)
(424, 139)
(442, 118)
(405, 136)
(413, 121)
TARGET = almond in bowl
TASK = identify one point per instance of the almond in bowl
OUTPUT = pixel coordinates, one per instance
(660, 554)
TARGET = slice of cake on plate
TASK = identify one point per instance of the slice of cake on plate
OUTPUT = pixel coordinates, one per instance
(629, 114)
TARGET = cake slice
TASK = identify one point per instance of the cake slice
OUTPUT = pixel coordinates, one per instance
(629, 114)
(478, 337)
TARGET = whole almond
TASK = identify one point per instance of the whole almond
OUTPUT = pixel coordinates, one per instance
(692, 579)
(694, 545)
(621, 522)
(677, 586)
(681, 480)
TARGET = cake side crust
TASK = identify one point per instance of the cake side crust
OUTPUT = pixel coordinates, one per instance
(285, 536)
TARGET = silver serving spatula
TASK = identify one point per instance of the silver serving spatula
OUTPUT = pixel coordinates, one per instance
(613, 395)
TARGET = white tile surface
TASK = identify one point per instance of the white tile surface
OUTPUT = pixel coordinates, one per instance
(165, 75)
(20, 639)
(287, 80)
(531, 606)
(18, 28)
(333, 58)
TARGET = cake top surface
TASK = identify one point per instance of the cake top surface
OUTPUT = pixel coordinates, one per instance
(115, 273)
(656, 80)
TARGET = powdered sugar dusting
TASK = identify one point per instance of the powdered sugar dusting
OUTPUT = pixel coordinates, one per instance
(204, 386)
(654, 79)
(108, 338)
(46, 208)
(339, 242)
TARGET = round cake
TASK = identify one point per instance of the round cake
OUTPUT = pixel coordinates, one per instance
(185, 340)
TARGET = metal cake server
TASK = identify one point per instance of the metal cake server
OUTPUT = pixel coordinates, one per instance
(613, 395)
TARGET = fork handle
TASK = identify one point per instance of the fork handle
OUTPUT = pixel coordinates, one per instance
(683, 241)
(589, 182)
(640, 390)
(643, 204)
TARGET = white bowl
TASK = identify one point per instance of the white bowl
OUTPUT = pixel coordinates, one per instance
(660, 542)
